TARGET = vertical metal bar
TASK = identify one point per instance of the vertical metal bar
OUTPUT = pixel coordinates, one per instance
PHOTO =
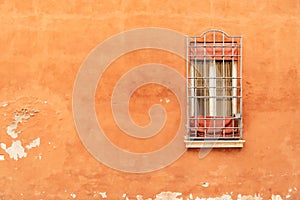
(192, 85)
(195, 80)
(188, 130)
(215, 82)
(224, 101)
(195, 100)
(234, 85)
(205, 90)
(241, 90)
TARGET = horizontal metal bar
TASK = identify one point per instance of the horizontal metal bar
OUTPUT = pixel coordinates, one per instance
(213, 45)
(214, 55)
(201, 77)
(213, 137)
(207, 127)
(214, 117)
(217, 97)
(229, 37)
(204, 87)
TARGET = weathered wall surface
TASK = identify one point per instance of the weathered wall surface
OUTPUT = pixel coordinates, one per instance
(43, 44)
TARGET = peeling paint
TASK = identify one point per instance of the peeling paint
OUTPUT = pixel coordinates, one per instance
(3, 146)
(18, 118)
(276, 197)
(168, 195)
(249, 197)
(32, 113)
(4, 104)
(36, 111)
(2, 157)
(15, 151)
(10, 130)
(176, 196)
(205, 184)
(224, 197)
(103, 195)
(40, 156)
(34, 143)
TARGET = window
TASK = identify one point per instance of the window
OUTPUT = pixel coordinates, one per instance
(214, 90)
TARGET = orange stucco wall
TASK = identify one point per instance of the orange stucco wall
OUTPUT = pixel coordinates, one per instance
(43, 44)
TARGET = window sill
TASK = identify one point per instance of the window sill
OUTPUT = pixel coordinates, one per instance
(214, 143)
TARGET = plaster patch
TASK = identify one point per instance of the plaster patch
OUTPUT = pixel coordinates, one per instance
(2, 157)
(34, 143)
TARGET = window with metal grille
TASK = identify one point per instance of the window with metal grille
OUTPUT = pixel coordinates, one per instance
(214, 90)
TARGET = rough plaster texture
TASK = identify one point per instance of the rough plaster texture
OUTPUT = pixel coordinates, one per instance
(43, 44)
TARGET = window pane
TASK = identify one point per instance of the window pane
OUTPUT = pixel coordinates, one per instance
(212, 88)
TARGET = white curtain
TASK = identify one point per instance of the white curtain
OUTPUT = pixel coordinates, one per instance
(212, 87)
